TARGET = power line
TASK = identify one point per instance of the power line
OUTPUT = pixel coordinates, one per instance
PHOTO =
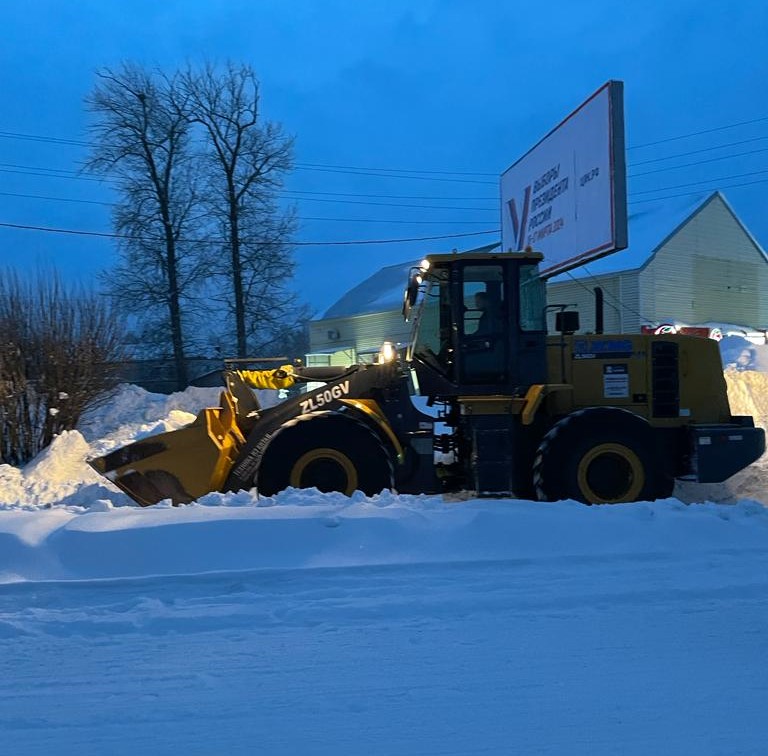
(38, 168)
(56, 199)
(395, 170)
(703, 149)
(64, 173)
(52, 175)
(407, 222)
(696, 183)
(698, 162)
(302, 218)
(690, 194)
(426, 174)
(495, 208)
(698, 133)
(390, 196)
(42, 138)
(398, 173)
(107, 235)
(392, 204)
(302, 199)
(394, 175)
(431, 207)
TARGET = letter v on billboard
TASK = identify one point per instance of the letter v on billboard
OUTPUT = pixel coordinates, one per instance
(567, 196)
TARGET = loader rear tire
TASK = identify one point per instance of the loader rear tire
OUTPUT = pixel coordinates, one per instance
(329, 451)
(600, 455)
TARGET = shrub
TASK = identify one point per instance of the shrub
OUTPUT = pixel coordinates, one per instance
(56, 346)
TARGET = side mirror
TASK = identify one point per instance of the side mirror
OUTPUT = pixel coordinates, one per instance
(411, 293)
(567, 321)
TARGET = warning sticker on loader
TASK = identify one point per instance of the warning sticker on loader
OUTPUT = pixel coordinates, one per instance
(615, 381)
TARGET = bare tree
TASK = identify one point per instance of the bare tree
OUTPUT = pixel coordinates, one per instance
(56, 350)
(142, 138)
(247, 158)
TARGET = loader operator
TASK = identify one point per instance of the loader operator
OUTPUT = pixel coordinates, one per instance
(484, 324)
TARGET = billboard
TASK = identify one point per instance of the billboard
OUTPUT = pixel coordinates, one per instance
(567, 196)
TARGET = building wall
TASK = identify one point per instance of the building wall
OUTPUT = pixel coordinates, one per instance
(581, 293)
(710, 270)
(363, 333)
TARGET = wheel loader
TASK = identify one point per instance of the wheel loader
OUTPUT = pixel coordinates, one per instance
(506, 409)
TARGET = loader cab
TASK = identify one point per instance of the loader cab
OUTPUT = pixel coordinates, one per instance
(479, 324)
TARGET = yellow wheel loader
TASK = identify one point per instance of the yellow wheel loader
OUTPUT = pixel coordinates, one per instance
(514, 411)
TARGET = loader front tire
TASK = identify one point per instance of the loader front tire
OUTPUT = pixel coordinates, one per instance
(329, 451)
(599, 455)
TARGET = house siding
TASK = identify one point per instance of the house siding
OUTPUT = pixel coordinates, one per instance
(581, 293)
(363, 333)
(710, 270)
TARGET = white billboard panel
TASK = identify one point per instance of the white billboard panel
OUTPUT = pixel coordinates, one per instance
(566, 197)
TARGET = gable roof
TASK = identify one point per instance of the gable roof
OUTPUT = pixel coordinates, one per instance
(381, 292)
(649, 231)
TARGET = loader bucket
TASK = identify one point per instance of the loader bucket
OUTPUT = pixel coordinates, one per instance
(179, 465)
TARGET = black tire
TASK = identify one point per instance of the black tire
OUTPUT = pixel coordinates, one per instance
(328, 451)
(600, 455)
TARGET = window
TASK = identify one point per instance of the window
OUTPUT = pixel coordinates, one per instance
(483, 298)
(484, 325)
(533, 299)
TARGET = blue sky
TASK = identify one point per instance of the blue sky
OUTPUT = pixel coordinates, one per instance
(455, 86)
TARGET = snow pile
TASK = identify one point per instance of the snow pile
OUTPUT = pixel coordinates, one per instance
(748, 394)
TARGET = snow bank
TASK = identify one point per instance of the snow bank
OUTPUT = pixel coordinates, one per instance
(304, 529)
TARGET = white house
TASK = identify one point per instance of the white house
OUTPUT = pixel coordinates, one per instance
(688, 261)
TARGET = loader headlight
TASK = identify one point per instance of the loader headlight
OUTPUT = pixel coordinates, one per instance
(387, 353)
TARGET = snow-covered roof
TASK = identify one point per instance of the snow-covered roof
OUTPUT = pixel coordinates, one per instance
(381, 292)
(649, 230)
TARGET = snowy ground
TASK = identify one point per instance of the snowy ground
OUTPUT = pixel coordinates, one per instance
(311, 624)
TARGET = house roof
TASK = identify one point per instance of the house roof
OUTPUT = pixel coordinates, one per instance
(380, 292)
(649, 230)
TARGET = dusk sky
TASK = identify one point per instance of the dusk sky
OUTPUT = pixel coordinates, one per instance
(405, 112)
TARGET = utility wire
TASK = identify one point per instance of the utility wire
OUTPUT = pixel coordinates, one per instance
(400, 173)
(395, 175)
(698, 162)
(64, 173)
(695, 183)
(365, 169)
(156, 239)
(717, 181)
(407, 222)
(698, 133)
(696, 152)
(395, 170)
(390, 196)
(690, 194)
(302, 199)
(56, 199)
